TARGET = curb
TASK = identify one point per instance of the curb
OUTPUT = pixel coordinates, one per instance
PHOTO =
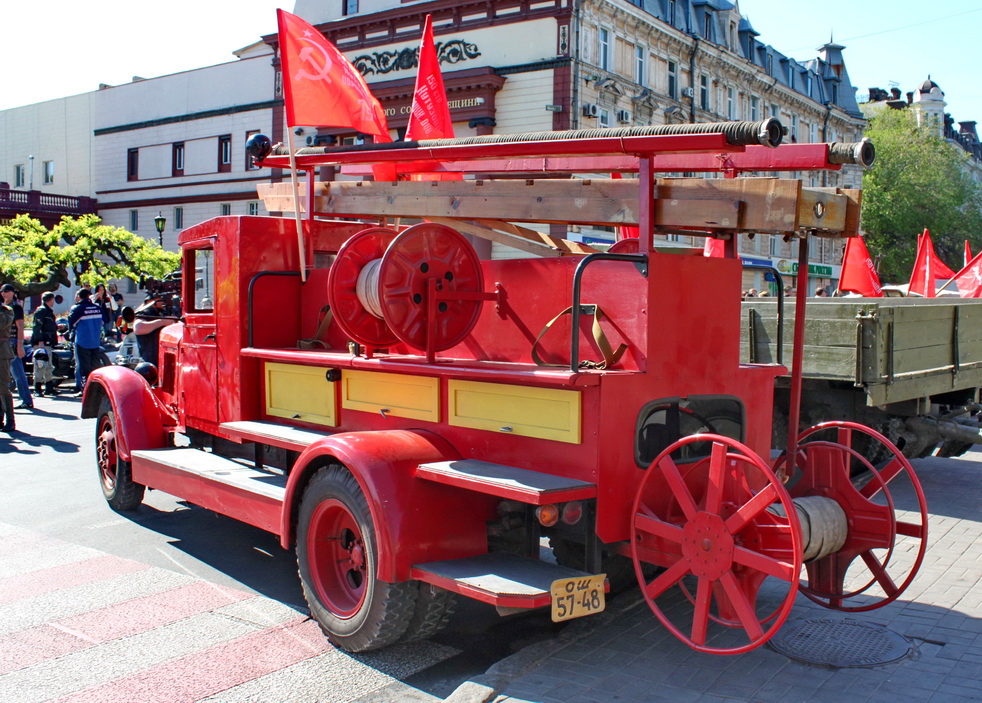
(486, 687)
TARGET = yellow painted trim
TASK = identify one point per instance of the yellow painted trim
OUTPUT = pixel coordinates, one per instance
(300, 393)
(400, 395)
(546, 413)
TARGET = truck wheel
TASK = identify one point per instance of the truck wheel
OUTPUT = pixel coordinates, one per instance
(114, 474)
(434, 606)
(338, 560)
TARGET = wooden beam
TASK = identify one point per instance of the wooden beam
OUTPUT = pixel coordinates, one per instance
(477, 230)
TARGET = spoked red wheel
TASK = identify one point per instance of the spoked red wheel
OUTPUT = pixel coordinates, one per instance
(115, 475)
(350, 313)
(715, 521)
(625, 246)
(336, 549)
(424, 260)
(106, 453)
(831, 466)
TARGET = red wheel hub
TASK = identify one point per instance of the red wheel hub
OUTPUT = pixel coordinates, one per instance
(708, 546)
(106, 455)
(338, 559)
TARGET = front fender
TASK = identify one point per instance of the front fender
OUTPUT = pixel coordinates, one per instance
(140, 417)
(415, 520)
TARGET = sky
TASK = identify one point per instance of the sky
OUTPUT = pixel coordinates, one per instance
(56, 48)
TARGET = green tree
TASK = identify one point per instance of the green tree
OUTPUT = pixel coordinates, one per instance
(919, 180)
(36, 259)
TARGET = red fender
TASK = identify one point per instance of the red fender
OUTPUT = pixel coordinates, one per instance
(416, 520)
(140, 417)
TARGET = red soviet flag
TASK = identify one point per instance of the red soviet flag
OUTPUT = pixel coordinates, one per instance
(928, 268)
(430, 114)
(714, 248)
(968, 253)
(321, 88)
(858, 273)
(969, 279)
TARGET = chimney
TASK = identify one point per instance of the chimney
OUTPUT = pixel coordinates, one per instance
(910, 97)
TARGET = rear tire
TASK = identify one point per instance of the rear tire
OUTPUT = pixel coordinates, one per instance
(337, 558)
(115, 475)
(434, 606)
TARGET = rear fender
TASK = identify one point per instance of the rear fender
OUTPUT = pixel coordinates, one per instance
(140, 417)
(416, 521)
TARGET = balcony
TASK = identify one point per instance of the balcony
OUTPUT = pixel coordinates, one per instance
(48, 208)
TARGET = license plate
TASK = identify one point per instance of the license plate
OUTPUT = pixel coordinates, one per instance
(577, 597)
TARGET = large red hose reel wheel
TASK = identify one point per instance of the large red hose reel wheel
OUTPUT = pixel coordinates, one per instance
(423, 287)
(733, 538)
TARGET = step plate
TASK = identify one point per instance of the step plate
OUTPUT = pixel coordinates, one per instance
(533, 487)
(273, 434)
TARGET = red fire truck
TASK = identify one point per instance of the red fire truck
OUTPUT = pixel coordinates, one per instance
(414, 417)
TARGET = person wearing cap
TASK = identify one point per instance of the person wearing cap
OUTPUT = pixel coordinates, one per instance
(6, 354)
(85, 321)
(9, 296)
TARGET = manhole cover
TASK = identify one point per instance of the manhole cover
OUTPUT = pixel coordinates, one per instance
(842, 644)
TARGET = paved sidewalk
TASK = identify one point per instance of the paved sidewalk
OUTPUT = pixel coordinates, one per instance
(627, 656)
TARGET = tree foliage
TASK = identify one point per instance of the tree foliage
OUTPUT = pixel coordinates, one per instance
(83, 250)
(919, 180)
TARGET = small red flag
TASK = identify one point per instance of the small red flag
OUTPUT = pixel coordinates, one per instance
(969, 279)
(928, 268)
(321, 88)
(858, 273)
(430, 114)
(968, 253)
(714, 248)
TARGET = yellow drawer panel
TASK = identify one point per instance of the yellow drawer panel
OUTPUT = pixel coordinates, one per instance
(300, 393)
(546, 413)
(415, 397)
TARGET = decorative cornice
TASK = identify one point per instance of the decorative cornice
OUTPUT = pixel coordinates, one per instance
(380, 62)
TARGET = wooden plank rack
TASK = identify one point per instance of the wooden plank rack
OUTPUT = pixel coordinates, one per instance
(214, 482)
(510, 482)
(499, 578)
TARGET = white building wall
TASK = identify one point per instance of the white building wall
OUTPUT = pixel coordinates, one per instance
(521, 104)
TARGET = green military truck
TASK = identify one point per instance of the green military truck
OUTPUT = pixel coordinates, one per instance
(910, 368)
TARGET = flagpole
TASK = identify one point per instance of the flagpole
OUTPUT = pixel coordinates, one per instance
(288, 140)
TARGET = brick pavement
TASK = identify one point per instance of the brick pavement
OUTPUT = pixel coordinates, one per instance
(627, 656)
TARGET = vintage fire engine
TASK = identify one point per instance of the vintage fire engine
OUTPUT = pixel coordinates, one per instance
(415, 418)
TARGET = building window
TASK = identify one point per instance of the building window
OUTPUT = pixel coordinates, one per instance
(671, 12)
(349, 7)
(730, 104)
(225, 153)
(179, 217)
(250, 163)
(754, 108)
(770, 65)
(177, 162)
(733, 43)
(133, 164)
(794, 129)
(775, 245)
(835, 93)
(640, 54)
(604, 118)
(254, 207)
(673, 80)
(775, 111)
(225, 209)
(704, 92)
(708, 25)
(134, 220)
(808, 84)
(19, 176)
(813, 133)
(603, 59)
(49, 172)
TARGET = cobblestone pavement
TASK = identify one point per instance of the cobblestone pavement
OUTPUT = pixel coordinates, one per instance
(627, 656)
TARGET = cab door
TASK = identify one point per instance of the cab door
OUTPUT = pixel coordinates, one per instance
(199, 347)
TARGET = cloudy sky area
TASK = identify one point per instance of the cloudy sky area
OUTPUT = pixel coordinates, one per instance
(63, 47)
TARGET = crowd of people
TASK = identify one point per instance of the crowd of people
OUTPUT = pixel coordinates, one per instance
(97, 317)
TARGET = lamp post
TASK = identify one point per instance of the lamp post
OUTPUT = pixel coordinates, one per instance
(160, 222)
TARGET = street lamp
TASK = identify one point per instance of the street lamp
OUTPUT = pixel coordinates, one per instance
(160, 222)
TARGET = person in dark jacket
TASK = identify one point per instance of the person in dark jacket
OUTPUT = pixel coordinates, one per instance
(85, 322)
(6, 354)
(8, 294)
(44, 337)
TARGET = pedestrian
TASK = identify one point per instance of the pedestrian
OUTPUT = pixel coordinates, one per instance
(9, 296)
(6, 355)
(115, 308)
(85, 322)
(150, 319)
(100, 296)
(44, 337)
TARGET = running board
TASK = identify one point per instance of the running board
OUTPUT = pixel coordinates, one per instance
(499, 578)
(275, 435)
(509, 482)
(214, 482)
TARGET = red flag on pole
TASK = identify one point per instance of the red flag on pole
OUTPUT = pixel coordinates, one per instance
(321, 88)
(430, 114)
(714, 248)
(968, 254)
(969, 279)
(858, 273)
(928, 268)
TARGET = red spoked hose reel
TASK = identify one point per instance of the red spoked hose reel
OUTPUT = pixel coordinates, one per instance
(423, 287)
(732, 538)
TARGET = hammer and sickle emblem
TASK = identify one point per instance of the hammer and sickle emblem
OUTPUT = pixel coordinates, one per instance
(321, 72)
